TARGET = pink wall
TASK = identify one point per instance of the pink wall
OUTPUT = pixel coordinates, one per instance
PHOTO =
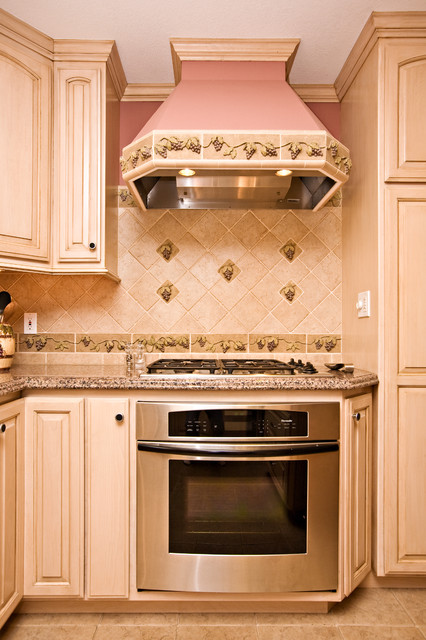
(329, 114)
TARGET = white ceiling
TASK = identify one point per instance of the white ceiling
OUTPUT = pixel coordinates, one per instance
(142, 28)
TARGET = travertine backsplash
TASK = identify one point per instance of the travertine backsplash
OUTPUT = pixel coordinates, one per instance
(220, 281)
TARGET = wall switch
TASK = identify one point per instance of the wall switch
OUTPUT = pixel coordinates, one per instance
(363, 304)
(30, 323)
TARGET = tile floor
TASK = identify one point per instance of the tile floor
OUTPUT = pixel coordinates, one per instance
(379, 614)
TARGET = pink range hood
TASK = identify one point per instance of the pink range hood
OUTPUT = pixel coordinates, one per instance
(235, 124)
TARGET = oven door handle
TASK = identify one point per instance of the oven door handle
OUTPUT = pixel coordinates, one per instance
(246, 449)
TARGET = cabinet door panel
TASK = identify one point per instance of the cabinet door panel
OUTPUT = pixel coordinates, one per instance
(79, 157)
(405, 124)
(55, 498)
(24, 158)
(405, 290)
(358, 490)
(108, 499)
(11, 509)
(406, 548)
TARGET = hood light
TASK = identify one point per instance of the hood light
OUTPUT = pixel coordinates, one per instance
(283, 172)
(187, 172)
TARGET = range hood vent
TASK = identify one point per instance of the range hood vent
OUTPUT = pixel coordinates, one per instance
(234, 121)
(233, 192)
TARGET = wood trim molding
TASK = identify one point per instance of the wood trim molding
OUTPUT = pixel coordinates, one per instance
(82, 50)
(25, 34)
(316, 92)
(252, 49)
(159, 92)
(383, 24)
(116, 71)
(147, 92)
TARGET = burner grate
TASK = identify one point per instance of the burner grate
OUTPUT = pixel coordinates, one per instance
(228, 366)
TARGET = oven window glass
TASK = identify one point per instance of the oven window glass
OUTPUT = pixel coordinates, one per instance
(237, 507)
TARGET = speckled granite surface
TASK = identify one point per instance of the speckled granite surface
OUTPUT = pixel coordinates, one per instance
(113, 377)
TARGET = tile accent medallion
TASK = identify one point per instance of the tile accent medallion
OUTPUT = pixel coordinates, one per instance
(202, 281)
(167, 250)
(290, 250)
(229, 270)
(167, 291)
(290, 291)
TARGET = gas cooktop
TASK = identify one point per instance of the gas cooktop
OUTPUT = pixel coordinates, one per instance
(212, 366)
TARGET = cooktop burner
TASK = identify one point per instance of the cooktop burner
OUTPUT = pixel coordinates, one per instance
(231, 367)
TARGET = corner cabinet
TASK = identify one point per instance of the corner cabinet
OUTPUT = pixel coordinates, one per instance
(11, 507)
(59, 120)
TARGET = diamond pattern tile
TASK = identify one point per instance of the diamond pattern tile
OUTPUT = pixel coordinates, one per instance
(204, 301)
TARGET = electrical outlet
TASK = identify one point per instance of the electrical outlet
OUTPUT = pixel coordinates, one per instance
(30, 323)
(363, 304)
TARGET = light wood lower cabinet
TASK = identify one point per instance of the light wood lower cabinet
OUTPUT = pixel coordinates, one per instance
(107, 498)
(405, 503)
(11, 508)
(358, 490)
(54, 485)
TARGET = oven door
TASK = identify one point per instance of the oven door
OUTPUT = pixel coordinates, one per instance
(237, 518)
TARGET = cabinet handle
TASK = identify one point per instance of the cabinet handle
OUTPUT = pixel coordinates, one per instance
(92, 246)
(356, 416)
(3, 428)
(119, 417)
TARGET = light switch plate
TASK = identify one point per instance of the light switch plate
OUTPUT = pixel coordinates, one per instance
(30, 323)
(363, 304)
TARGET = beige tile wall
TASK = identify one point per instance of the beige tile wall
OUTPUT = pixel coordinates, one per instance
(239, 280)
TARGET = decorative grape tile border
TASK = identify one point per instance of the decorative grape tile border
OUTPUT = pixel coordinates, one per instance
(179, 343)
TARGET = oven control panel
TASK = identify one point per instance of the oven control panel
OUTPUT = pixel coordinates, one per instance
(238, 423)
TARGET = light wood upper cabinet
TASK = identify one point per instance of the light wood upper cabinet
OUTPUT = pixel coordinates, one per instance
(404, 103)
(25, 157)
(86, 146)
(54, 517)
(11, 508)
(59, 170)
(108, 486)
(358, 490)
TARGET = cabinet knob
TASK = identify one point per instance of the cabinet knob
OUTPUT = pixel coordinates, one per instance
(356, 416)
(119, 417)
(92, 246)
(3, 428)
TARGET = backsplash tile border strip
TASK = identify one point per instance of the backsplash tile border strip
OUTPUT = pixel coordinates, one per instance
(259, 343)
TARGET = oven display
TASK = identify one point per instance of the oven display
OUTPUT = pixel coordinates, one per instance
(238, 423)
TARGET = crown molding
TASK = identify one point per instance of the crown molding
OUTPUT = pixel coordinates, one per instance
(25, 35)
(383, 24)
(316, 92)
(147, 92)
(247, 49)
(159, 92)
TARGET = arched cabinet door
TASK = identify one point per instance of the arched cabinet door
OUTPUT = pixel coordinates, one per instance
(25, 158)
(404, 100)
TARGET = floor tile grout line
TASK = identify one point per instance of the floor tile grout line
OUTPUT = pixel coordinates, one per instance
(400, 602)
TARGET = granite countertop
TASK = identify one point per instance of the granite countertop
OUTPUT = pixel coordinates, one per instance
(113, 377)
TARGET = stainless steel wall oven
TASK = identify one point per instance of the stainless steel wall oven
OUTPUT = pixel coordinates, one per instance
(237, 498)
